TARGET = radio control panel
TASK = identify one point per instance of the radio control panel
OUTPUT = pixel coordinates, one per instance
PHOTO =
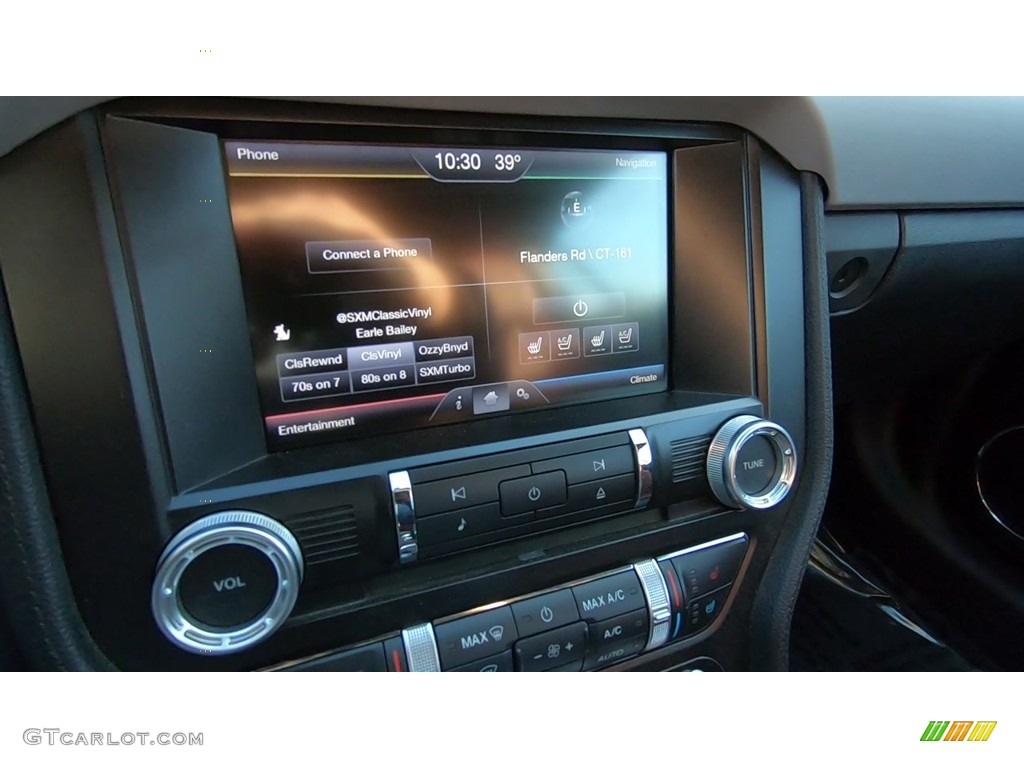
(229, 580)
(446, 508)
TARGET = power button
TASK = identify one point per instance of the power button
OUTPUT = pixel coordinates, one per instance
(530, 493)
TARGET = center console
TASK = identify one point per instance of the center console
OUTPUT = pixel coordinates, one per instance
(387, 390)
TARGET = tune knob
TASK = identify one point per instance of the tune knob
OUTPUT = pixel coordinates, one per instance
(751, 463)
(226, 582)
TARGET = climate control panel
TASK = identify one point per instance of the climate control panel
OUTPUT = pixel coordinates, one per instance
(585, 625)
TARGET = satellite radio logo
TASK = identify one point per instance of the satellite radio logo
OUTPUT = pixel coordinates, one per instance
(958, 730)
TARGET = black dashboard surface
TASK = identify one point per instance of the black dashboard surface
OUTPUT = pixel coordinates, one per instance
(156, 271)
(872, 152)
(906, 184)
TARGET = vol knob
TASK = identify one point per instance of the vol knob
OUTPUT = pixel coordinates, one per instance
(751, 463)
(226, 582)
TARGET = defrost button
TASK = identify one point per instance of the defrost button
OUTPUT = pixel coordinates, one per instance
(465, 640)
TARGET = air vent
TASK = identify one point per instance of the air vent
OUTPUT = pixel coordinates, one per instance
(326, 535)
(688, 458)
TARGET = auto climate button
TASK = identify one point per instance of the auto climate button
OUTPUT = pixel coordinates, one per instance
(616, 639)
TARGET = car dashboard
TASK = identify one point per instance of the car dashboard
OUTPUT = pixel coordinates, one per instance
(439, 385)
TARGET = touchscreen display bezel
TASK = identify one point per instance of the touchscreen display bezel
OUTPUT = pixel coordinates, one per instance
(659, 381)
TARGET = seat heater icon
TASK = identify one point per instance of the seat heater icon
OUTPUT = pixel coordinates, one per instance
(597, 341)
(534, 347)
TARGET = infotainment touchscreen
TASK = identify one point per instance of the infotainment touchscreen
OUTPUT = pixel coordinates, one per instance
(390, 288)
